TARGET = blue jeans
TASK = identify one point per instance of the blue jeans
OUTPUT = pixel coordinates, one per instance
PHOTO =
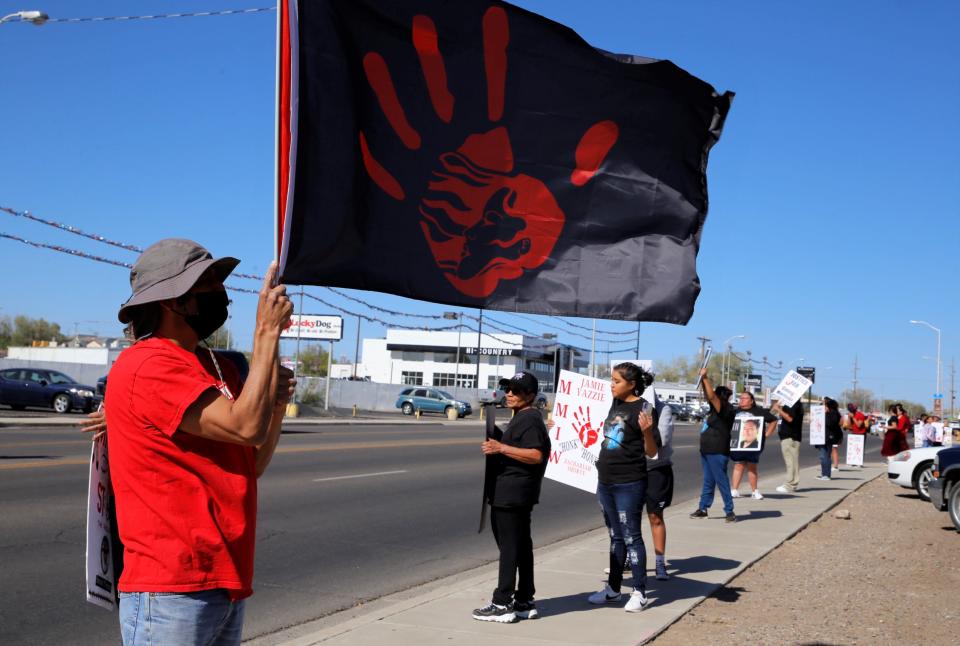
(825, 460)
(205, 618)
(622, 505)
(714, 466)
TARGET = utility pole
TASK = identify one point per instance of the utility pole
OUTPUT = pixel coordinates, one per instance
(479, 339)
(855, 367)
(953, 392)
(356, 352)
(638, 340)
(703, 346)
(593, 347)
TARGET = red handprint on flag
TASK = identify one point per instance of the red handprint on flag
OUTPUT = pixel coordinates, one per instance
(584, 427)
(482, 221)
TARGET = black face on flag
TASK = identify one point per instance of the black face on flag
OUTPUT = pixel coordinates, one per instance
(474, 153)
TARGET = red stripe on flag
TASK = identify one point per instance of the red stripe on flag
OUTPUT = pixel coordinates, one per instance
(431, 61)
(378, 75)
(496, 35)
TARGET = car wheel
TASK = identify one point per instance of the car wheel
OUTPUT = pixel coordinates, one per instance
(61, 403)
(921, 480)
(407, 408)
(953, 505)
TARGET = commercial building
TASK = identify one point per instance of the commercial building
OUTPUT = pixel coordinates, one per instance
(452, 359)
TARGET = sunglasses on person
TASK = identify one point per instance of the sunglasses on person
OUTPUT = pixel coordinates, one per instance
(513, 389)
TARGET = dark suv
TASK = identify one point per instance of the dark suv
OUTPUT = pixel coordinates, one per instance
(945, 486)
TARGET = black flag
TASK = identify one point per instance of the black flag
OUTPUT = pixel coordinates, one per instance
(474, 153)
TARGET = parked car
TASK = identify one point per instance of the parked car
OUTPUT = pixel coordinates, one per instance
(430, 400)
(945, 486)
(22, 387)
(681, 412)
(913, 469)
(499, 398)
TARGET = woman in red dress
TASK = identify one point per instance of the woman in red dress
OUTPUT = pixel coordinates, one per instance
(895, 439)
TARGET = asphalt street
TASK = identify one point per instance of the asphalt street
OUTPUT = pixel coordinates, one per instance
(348, 513)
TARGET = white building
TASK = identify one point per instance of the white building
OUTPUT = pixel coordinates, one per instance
(452, 359)
(677, 392)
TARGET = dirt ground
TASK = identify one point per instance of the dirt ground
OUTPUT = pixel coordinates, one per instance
(888, 575)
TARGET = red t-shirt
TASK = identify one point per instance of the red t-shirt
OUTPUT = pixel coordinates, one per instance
(859, 430)
(186, 505)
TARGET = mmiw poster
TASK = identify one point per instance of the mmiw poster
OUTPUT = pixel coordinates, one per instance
(818, 425)
(101, 582)
(578, 412)
(791, 388)
(854, 449)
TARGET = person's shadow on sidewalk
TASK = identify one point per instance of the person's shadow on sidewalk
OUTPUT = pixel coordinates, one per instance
(659, 592)
(756, 514)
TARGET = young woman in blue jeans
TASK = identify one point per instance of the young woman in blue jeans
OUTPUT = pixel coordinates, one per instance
(834, 436)
(628, 439)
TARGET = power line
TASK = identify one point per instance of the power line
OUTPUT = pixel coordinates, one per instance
(192, 14)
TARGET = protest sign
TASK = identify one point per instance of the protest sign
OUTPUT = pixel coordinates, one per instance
(703, 364)
(313, 327)
(791, 388)
(818, 425)
(579, 410)
(101, 582)
(746, 434)
(854, 449)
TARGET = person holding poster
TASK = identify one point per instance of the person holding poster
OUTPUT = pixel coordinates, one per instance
(715, 448)
(186, 443)
(833, 435)
(791, 437)
(519, 459)
(748, 459)
(660, 482)
(629, 438)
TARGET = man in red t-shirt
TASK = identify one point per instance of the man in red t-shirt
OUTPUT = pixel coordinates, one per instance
(859, 424)
(187, 442)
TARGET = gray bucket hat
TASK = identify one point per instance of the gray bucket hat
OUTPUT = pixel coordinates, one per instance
(168, 269)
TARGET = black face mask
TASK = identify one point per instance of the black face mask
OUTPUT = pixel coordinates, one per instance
(211, 313)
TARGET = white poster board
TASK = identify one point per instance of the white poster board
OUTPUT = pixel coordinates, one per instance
(854, 449)
(101, 582)
(579, 410)
(938, 432)
(818, 425)
(918, 432)
(947, 436)
(746, 434)
(791, 388)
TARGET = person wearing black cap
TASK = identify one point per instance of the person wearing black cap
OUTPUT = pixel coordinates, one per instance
(518, 461)
(186, 443)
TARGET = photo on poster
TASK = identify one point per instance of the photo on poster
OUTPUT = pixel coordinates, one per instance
(746, 434)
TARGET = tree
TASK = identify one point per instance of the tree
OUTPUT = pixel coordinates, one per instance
(6, 333)
(684, 369)
(313, 361)
(221, 339)
(862, 397)
(27, 330)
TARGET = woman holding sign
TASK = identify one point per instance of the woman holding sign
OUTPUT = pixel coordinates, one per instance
(628, 440)
(747, 455)
(833, 436)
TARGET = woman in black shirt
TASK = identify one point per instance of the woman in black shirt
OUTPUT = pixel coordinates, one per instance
(518, 460)
(834, 436)
(628, 439)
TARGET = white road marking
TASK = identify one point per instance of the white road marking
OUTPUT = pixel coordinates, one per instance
(359, 475)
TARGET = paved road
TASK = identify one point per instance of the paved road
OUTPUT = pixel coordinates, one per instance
(347, 514)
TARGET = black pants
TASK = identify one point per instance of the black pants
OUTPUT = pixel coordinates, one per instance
(511, 529)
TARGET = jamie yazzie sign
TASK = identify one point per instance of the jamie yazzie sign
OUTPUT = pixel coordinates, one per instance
(311, 327)
(579, 410)
(791, 388)
(101, 581)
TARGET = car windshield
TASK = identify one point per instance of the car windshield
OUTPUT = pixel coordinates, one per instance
(60, 378)
(444, 394)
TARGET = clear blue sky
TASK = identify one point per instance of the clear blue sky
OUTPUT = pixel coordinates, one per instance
(834, 190)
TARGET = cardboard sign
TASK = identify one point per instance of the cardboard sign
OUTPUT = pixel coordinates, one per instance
(791, 388)
(818, 425)
(101, 582)
(746, 434)
(578, 413)
(854, 449)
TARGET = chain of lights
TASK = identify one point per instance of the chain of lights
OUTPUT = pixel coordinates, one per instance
(192, 14)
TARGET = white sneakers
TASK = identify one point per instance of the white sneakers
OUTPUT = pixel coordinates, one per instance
(607, 595)
(635, 603)
(756, 495)
(784, 489)
(734, 493)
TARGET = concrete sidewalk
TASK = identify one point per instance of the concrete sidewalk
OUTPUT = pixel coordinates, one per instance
(73, 420)
(702, 555)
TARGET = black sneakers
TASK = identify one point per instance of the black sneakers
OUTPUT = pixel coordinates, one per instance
(731, 517)
(700, 513)
(525, 610)
(497, 613)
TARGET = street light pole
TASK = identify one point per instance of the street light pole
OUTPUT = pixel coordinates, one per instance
(35, 17)
(937, 330)
(456, 369)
